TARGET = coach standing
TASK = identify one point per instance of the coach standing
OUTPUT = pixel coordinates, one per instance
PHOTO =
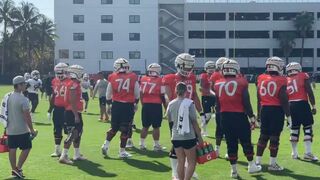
(19, 126)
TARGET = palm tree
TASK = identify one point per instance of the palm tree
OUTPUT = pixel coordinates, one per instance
(46, 30)
(303, 23)
(287, 43)
(26, 16)
(6, 9)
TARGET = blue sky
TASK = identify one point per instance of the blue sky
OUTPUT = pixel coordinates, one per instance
(45, 6)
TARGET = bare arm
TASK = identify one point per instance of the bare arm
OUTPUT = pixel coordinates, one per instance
(284, 100)
(197, 102)
(246, 102)
(307, 85)
(73, 102)
(27, 119)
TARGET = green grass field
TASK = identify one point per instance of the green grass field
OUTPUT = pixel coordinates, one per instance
(146, 165)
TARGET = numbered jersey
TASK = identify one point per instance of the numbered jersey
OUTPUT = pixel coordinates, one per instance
(123, 85)
(205, 84)
(229, 91)
(151, 89)
(75, 86)
(296, 87)
(268, 89)
(215, 77)
(85, 86)
(34, 85)
(171, 80)
(59, 88)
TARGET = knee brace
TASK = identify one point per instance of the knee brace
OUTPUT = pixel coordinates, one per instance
(308, 133)
(71, 135)
(77, 137)
(263, 140)
(274, 142)
(294, 135)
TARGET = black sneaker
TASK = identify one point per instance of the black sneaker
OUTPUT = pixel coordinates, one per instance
(17, 173)
(134, 127)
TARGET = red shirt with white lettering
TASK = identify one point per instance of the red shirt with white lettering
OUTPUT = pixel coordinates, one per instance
(123, 85)
(151, 89)
(73, 86)
(269, 87)
(229, 92)
(296, 87)
(59, 89)
(171, 80)
(205, 84)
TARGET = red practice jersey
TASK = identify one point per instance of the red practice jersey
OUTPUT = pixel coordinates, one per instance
(215, 76)
(151, 89)
(229, 91)
(123, 85)
(76, 86)
(296, 87)
(205, 84)
(269, 87)
(59, 89)
(171, 81)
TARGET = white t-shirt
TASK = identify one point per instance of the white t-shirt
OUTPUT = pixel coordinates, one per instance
(35, 85)
(85, 86)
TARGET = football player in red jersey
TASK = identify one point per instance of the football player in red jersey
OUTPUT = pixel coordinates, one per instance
(300, 92)
(274, 104)
(57, 100)
(234, 104)
(208, 98)
(213, 78)
(152, 96)
(73, 120)
(184, 63)
(123, 92)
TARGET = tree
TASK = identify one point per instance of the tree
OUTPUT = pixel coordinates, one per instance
(303, 23)
(6, 9)
(287, 43)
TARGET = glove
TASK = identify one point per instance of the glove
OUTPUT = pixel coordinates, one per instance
(314, 110)
(289, 122)
(203, 118)
(253, 122)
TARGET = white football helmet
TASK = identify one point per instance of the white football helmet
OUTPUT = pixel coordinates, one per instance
(210, 66)
(184, 63)
(293, 68)
(230, 68)
(61, 70)
(154, 69)
(27, 76)
(219, 62)
(275, 64)
(85, 76)
(121, 65)
(76, 71)
(35, 74)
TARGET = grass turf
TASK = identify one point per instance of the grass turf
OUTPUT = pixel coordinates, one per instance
(146, 164)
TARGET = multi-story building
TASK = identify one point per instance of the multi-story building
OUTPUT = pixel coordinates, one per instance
(93, 33)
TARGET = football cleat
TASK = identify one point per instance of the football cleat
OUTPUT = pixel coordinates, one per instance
(217, 152)
(104, 150)
(254, 168)
(57, 153)
(195, 175)
(310, 157)
(294, 156)
(275, 167)
(124, 154)
(129, 143)
(143, 147)
(17, 174)
(79, 158)
(226, 157)
(65, 160)
(234, 174)
(158, 148)
(49, 116)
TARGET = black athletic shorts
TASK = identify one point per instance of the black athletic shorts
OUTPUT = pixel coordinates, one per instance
(272, 120)
(69, 122)
(208, 102)
(85, 96)
(121, 114)
(102, 101)
(58, 116)
(151, 114)
(21, 141)
(301, 114)
(185, 144)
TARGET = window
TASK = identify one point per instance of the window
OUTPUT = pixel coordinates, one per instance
(78, 18)
(318, 34)
(106, 55)
(286, 16)
(318, 15)
(134, 1)
(78, 1)
(250, 52)
(134, 55)
(64, 53)
(78, 55)
(134, 36)
(106, 1)
(106, 37)
(249, 34)
(78, 36)
(208, 52)
(276, 34)
(106, 19)
(215, 16)
(307, 52)
(208, 34)
(134, 19)
(196, 16)
(249, 16)
(318, 52)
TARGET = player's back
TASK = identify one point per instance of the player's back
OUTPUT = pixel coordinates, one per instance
(205, 84)
(296, 87)
(151, 89)
(269, 87)
(123, 85)
(72, 85)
